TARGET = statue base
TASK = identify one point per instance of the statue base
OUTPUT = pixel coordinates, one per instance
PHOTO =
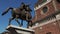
(19, 30)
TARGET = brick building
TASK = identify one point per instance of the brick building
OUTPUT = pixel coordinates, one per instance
(47, 17)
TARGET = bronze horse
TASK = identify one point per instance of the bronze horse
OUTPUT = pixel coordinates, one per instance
(23, 13)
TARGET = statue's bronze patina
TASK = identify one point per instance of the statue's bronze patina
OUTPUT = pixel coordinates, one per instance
(23, 13)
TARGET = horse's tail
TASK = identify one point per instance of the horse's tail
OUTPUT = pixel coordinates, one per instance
(6, 11)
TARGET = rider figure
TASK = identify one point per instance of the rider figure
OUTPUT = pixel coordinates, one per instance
(22, 6)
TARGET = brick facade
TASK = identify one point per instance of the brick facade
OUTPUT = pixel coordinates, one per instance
(46, 23)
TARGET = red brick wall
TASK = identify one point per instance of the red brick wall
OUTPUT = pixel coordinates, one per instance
(50, 11)
(53, 27)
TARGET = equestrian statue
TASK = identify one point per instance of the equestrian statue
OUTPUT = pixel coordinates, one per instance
(23, 13)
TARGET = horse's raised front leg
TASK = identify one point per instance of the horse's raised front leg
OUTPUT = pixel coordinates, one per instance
(10, 20)
(18, 22)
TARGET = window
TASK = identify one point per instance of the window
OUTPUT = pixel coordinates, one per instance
(58, 1)
(44, 9)
(48, 33)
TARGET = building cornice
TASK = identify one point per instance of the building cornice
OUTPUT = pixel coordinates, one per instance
(39, 6)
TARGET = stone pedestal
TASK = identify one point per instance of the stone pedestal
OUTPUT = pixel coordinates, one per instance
(19, 30)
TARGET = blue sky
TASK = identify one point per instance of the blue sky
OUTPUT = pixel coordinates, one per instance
(15, 4)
